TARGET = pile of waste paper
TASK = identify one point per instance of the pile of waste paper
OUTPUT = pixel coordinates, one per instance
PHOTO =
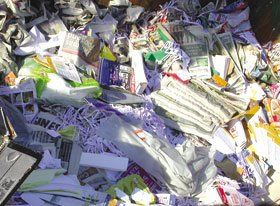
(110, 102)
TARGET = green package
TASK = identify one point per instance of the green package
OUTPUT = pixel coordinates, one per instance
(128, 184)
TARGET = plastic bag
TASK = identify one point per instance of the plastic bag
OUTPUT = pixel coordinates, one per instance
(183, 172)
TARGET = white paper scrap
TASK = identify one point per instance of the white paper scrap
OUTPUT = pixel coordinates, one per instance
(66, 69)
(104, 161)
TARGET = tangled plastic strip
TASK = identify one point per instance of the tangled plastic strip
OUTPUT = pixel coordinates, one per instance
(173, 50)
(177, 138)
(185, 18)
(154, 78)
(274, 54)
(152, 123)
(88, 118)
(186, 201)
(161, 14)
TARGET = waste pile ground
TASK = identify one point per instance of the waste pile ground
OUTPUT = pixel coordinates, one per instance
(118, 102)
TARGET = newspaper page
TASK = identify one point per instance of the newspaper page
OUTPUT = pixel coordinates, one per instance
(40, 135)
(47, 121)
(41, 140)
(70, 155)
(225, 45)
(68, 150)
(226, 41)
(196, 49)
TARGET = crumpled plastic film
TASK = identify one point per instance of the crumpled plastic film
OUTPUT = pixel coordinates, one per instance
(157, 155)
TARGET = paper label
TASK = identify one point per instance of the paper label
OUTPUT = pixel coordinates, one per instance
(140, 133)
(272, 107)
(166, 199)
(66, 69)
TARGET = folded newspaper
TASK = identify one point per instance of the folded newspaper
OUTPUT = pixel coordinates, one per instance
(196, 48)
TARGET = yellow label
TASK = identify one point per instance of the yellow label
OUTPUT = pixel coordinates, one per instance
(273, 132)
(249, 113)
(10, 78)
(219, 81)
(107, 54)
(46, 62)
(240, 170)
(251, 149)
(250, 158)
(113, 202)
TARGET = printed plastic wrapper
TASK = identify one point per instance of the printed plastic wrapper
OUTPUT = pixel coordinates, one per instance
(225, 192)
(132, 141)
(128, 186)
(272, 107)
(66, 94)
(80, 49)
(47, 80)
(148, 180)
(31, 68)
(112, 73)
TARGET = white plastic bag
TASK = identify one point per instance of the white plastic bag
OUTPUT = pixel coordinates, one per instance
(183, 171)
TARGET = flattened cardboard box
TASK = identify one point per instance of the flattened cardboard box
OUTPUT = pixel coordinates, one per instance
(16, 162)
